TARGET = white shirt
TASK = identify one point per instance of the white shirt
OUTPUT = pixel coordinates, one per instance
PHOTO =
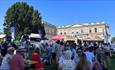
(5, 65)
(61, 58)
(67, 65)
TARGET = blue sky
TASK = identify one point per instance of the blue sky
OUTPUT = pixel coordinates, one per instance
(64, 12)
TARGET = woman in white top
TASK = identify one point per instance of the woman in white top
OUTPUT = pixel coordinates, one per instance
(67, 63)
(6, 59)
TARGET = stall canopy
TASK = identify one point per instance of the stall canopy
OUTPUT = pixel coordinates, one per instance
(32, 35)
(2, 35)
(57, 37)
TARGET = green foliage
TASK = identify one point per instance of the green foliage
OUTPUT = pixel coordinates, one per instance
(113, 40)
(24, 18)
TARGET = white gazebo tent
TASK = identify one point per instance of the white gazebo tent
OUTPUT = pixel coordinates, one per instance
(2, 36)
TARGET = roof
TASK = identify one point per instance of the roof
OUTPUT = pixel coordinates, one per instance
(35, 35)
(84, 24)
(57, 37)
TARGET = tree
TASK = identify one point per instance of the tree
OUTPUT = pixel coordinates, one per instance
(113, 40)
(24, 18)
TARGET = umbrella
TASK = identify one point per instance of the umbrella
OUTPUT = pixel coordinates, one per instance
(57, 37)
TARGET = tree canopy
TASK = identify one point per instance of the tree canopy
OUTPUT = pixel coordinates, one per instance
(113, 40)
(24, 18)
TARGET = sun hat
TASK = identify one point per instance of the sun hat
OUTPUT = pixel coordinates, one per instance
(10, 48)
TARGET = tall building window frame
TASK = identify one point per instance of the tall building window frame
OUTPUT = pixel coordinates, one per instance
(72, 32)
(82, 31)
(95, 30)
(77, 32)
(90, 31)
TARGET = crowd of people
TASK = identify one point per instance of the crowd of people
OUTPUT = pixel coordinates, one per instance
(81, 57)
(64, 55)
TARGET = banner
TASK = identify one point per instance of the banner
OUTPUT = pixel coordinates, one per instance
(40, 32)
(13, 32)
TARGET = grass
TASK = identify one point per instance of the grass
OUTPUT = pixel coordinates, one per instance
(50, 67)
(112, 63)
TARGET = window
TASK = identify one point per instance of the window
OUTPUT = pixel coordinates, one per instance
(81, 31)
(86, 30)
(64, 33)
(90, 31)
(72, 32)
(77, 32)
(48, 31)
(100, 30)
(95, 30)
(75, 35)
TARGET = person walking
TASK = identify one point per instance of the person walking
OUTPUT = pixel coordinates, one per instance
(36, 57)
(67, 63)
(17, 62)
(7, 59)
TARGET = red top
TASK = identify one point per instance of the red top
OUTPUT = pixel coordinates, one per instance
(36, 57)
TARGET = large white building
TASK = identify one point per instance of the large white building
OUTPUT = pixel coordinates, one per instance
(94, 31)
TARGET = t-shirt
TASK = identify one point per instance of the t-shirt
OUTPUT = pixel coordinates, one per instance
(67, 65)
(17, 62)
(5, 65)
(36, 57)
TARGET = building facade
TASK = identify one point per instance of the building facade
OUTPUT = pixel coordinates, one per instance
(50, 30)
(97, 31)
